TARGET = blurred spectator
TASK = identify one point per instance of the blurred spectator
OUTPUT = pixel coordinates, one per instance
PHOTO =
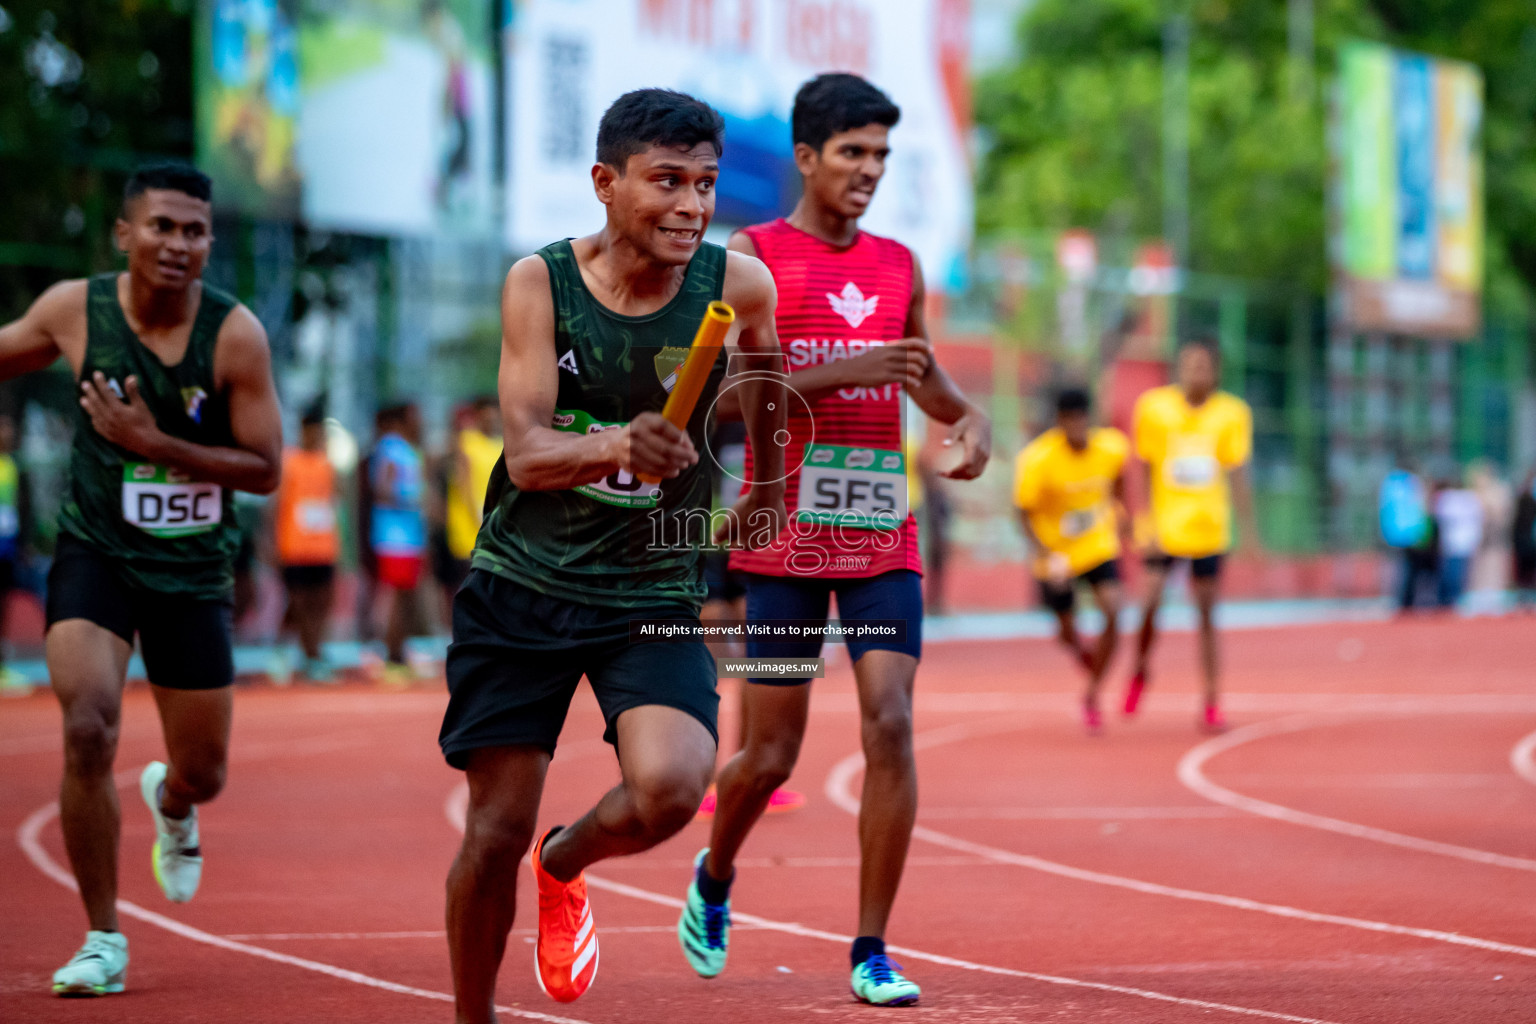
(1406, 526)
(398, 531)
(927, 500)
(307, 541)
(476, 449)
(1459, 518)
(1490, 566)
(1523, 540)
(11, 497)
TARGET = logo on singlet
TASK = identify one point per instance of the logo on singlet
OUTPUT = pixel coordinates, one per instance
(568, 362)
(194, 399)
(852, 306)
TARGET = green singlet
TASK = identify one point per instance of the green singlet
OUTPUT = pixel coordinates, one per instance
(166, 533)
(618, 542)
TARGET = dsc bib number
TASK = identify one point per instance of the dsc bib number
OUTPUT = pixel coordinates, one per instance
(620, 488)
(165, 503)
(860, 487)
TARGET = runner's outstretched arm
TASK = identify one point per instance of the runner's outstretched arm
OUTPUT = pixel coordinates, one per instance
(242, 368)
(539, 457)
(936, 394)
(34, 341)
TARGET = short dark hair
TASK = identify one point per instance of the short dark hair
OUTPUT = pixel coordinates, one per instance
(173, 177)
(1072, 399)
(838, 102)
(1205, 343)
(644, 118)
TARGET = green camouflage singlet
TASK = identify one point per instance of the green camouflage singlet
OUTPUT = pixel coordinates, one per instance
(617, 542)
(166, 533)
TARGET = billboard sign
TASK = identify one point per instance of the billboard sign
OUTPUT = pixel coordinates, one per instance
(569, 59)
(1410, 191)
(396, 119)
(246, 70)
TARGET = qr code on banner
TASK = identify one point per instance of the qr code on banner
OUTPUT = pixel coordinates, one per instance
(566, 69)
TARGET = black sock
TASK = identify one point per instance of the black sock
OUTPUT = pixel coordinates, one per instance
(864, 947)
(712, 889)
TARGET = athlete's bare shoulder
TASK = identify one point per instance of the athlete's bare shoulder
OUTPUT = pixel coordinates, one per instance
(749, 285)
(527, 281)
(241, 355)
(740, 241)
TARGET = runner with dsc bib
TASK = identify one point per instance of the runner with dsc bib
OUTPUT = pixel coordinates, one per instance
(178, 410)
(851, 324)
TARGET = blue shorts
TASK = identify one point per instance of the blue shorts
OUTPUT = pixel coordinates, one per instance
(897, 594)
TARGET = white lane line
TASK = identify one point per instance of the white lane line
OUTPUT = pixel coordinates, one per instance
(839, 790)
(1523, 758)
(763, 863)
(1191, 772)
(637, 929)
(28, 838)
(1372, 780)
(1071, 813)
(1240, 703)
(457, 803)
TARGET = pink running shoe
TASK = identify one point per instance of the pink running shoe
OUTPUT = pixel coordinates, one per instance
(707, 808)
(1093, 720)
(1215, 721)
(1137, 684)
(785, 800)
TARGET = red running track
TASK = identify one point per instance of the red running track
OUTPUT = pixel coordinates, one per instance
(1361, 848)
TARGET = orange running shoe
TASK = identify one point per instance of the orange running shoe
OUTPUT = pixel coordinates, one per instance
(565, 957)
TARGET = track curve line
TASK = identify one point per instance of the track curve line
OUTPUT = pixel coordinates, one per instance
(1191, 772)
(840, 791)
(457, 802)
(1523, 758)
(29, 838)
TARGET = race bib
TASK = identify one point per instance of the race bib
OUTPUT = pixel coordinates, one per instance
(165, 503)
(1193, 471)
(862, 487)
(315, 516)
(1074, 524)
(1191, 462)
(620, 488)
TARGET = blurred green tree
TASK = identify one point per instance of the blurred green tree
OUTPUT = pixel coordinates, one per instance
(1073, 129)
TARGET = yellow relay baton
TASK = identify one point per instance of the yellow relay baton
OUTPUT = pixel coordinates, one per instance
(694, 373)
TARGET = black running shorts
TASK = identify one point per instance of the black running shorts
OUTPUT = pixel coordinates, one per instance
(1062, 598)
(187, 643)
(1207, 567)
(517, 656)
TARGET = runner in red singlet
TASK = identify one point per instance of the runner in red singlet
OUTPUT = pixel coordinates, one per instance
(850, 319)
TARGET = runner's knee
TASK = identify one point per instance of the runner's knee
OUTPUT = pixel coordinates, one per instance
(769, 764)
(493, 839)
(90, 737)
(199, 783)
(667, 800)
(887, 732)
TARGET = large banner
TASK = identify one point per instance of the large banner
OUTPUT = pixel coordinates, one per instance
(1410, 192)
(569, 59)
(247, 104)
(396, 119)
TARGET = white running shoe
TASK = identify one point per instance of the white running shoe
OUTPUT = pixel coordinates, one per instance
(99, 968)
(177, 859)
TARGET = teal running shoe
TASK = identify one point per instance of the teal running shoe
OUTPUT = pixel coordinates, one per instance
(878, 981)
(704, 929)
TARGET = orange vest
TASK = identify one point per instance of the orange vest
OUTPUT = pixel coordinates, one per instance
(306, 510)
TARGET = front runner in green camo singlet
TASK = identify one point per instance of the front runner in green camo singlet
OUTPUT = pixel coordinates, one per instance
(167, 534)
(597, 543)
